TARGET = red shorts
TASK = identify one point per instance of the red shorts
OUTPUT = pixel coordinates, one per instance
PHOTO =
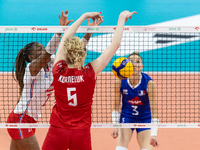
(72, 139)
(20, 133)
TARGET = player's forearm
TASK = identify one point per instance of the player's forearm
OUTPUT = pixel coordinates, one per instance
(154, 119)
(153, 105)
(39, 63)
(86, 38)
(117, 37)
(116, 40)
(154, 113)
(74, 27)
(116, 105)
(155, 129)
(115, 111)
(53, 44)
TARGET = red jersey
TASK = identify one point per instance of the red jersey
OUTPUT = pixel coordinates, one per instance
(74, 90)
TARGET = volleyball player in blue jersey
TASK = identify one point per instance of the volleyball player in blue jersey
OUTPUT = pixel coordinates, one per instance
(139, 105)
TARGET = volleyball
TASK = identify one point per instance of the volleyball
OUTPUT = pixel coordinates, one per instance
(122, 68)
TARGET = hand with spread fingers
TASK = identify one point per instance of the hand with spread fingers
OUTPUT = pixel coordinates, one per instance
(64, 19)
(94, 16)
(96, 21)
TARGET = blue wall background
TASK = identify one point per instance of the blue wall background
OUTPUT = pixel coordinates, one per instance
(183, 57)
(45, 12)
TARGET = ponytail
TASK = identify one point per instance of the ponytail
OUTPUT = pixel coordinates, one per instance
(18, 69)
(20, 65)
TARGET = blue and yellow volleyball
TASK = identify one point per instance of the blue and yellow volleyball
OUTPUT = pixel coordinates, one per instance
(122, 68)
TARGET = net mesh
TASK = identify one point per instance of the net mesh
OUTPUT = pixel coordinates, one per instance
(170, 58)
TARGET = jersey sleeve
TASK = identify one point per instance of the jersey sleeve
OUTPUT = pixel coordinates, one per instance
(59, 67)
(51, 61)
(90, 71)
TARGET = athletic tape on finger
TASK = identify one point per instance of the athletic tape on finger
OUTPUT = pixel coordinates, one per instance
(65, 15)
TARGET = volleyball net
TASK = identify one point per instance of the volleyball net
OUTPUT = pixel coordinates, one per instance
(171, 57)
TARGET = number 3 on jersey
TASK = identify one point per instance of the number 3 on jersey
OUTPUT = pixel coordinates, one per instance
(135, 112)
(72, 97)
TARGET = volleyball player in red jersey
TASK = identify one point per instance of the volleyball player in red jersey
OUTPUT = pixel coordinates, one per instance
(74, 87)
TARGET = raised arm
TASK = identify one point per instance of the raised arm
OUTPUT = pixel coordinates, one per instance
(101, 62)
(54, 42)
(61, 55)
(51, 47)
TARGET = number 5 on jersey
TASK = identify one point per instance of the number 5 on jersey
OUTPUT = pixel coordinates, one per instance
(72, 97)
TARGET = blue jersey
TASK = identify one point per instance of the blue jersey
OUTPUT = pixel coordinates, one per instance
(135, 101)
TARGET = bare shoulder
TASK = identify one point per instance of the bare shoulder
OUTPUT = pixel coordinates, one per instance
(151, 86)
(150, 83)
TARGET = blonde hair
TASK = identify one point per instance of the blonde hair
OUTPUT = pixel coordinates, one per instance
(76, 51)
(135, 53)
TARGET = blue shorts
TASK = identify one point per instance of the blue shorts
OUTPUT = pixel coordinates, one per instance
(126, 119)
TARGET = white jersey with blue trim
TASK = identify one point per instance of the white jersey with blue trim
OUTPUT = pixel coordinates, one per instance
(36, 92)
(135, 100)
